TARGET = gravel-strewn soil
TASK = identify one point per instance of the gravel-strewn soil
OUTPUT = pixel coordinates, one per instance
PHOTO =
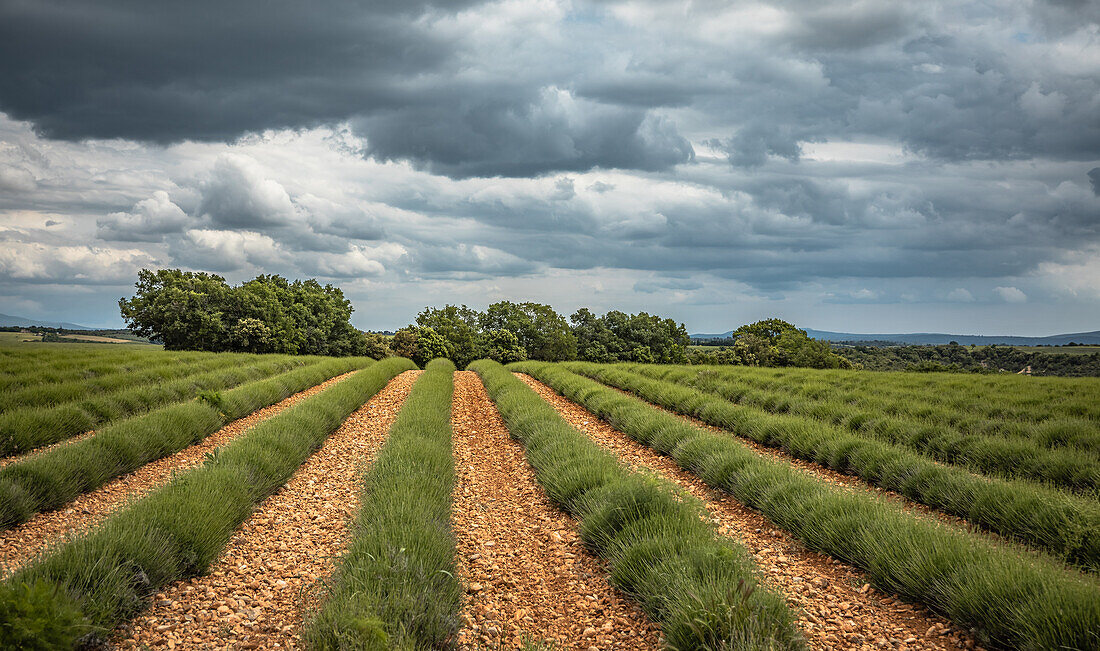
(527, 575)
(21, 544)
(837, 608)
(256, 595)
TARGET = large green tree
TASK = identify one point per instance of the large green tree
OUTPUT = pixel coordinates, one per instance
(621, 337)
(186, 310)
(769, 329)
(198, 311)
(543, 334)
(459, 326)
(775, 342)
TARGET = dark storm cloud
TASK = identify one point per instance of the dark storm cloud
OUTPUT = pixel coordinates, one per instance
(784, 145)
(847, 26)
(755, 142)
(442, 98)
(166, 72)
(525, 136)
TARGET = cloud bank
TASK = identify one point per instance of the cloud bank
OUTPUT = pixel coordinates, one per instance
(838, 163)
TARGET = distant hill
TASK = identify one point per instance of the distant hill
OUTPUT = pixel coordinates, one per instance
(7, 320)
(930, 338)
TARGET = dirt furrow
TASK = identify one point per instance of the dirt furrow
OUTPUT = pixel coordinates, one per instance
(256, 595)
(21, 544)
(528, 578)
(836, 606)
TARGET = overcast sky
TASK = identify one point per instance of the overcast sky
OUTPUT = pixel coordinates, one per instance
(867, 166)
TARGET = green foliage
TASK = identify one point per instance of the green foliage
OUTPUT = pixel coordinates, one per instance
(505, 331)
(700, 587)
(772, 342)
(503, 346)
(972, 359)
(250, 335)
(770, 330)
(176, 531)
(433, 345)
(199, 311)
(452, 332)
(377, 346)
(1014, 600)
(56, 385)
(403, 343)
(214, 399)
(35, 616)
(541, 332)
(620, 337)
(396, 586)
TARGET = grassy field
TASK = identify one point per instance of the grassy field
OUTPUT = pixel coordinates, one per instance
(971, 502)
(24, 338)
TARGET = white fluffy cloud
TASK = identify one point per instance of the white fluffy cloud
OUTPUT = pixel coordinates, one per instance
(1077, 276)
(238, 194)
(960, 295)
(148, 221)
(34, 262)
(219, 250)
(1010, 294)
(359, 261)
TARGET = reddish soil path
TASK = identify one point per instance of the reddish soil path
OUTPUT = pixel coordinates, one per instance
(257, 594)
(837, 608)
(21, 544)
(528, 577)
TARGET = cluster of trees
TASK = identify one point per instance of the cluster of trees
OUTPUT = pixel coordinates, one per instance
(772, 342)
(972, 359)
(510, 332)
(187, 310)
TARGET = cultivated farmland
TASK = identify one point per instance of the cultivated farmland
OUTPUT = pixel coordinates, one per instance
(153, 499)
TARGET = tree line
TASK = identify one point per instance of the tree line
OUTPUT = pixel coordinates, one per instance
(973, 359)
(188, 310)
(513, 332)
